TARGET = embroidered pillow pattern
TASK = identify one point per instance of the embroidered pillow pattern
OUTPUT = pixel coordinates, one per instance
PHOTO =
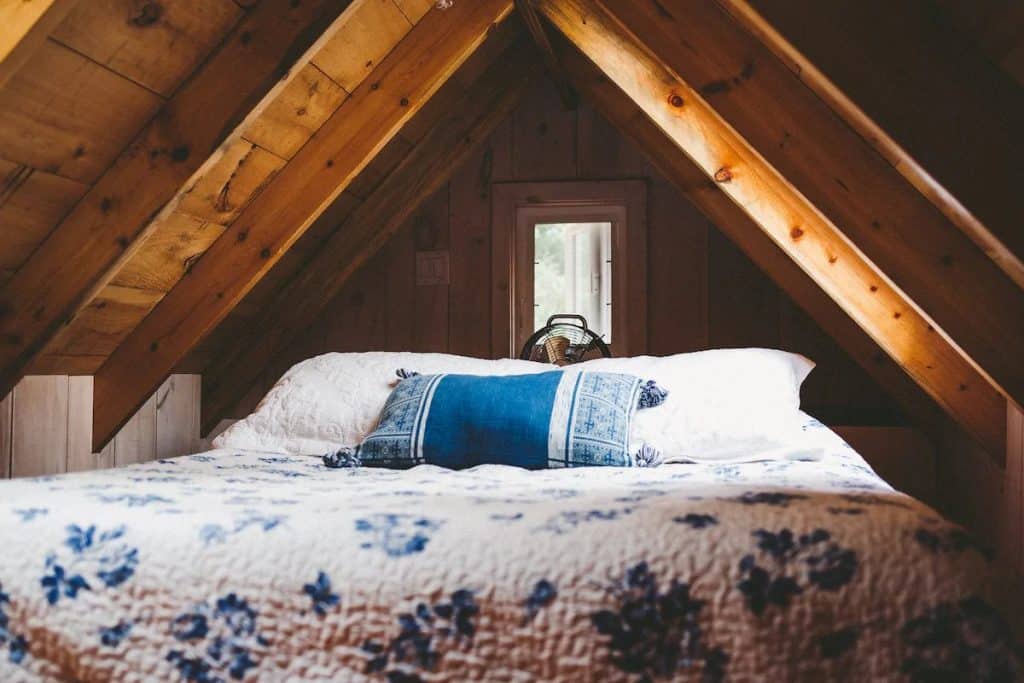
(549, 419)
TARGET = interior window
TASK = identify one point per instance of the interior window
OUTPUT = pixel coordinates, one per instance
(573, 273)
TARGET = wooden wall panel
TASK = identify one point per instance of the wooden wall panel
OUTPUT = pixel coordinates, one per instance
(6, 418)
(702, 291)
(1013, 489)
(46, 426)
(39, 430)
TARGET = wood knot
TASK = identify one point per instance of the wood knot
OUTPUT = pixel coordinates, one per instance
(330, 163)
(874, 288)
(179, 153)
(106, 204)
(154, 346)
(245, 38)
(404, 101)
(79, 152)
(122, 241)
(897, 315)
(265, 252)
(947, 260)
(796, 233)
(832, 258)
(147, 15)
(963, 387)
(242, 236)
(676, 100)
(723, 175)
(375, 85)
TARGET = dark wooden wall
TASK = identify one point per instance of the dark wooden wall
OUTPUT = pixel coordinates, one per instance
(702, 292)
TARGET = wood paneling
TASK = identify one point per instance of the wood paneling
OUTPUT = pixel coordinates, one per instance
(296, 197)
(1013, 490)
(904, 457)
(67, 115)
(155, 44)
(228, 186)
(31, 203)
(881, 66)
(46, 426)
(117, 214)
(797, 226)
(6, 420)
(26, 25)
(374, 310)
(39, 430)
(167, 255)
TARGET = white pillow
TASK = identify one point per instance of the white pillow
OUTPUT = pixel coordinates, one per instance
(334, 400)
(722, 405)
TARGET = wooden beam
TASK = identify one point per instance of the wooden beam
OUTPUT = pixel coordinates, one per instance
(903, 81)
(110, 223)
(611, 103)
(785, 215)
(540, 38)
(297, 195)
(26, 24)
(839, 174)
(426, 168)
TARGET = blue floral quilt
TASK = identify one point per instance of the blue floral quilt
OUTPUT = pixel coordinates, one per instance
(228, 566)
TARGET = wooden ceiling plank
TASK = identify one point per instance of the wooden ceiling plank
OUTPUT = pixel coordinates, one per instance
(941, 270)
(611, 103)
(367, 35)
(67, 115)
(155, 44)
(31, 203)
(111, 221)
(785, 215)
(304, 188)
(882, 67)
(415, 9)
(26, 26)
(426, 168)
(105, 322)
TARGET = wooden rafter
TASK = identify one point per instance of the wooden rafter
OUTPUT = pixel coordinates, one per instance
(540, 38)
(609, 101)
(188, 135)
(838, 172)
(24, 26)
(426, 168)
(784, 214)
(931, 85)
(298, 194)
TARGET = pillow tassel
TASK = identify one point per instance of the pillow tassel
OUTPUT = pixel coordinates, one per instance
(651, 395)
(405, 373)
(344, 458)
(647, 456)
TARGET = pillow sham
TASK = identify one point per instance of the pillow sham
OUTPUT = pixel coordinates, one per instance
(535, 421)
(334, 400)
(724, 405)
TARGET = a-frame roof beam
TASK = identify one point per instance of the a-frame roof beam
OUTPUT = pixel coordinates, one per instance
(785, 215)
(840, 174)
(110, 223)
(609, 101)
(427, 167)
(298, 194)
(909, 86)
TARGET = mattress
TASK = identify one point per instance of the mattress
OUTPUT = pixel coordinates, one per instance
(226, 566)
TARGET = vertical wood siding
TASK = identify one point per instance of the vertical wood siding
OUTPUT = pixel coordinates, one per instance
(46, 426)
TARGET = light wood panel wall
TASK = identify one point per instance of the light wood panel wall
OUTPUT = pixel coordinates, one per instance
(46, 426)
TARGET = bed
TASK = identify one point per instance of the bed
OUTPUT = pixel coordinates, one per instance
(231, 565)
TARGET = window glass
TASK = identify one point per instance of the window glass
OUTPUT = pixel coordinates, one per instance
(572, 273)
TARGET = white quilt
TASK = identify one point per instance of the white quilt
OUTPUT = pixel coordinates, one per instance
(243, 566)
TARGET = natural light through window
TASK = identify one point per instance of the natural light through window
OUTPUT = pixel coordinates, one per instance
(572, 273)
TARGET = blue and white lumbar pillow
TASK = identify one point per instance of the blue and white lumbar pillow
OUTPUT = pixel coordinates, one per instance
(549, 419)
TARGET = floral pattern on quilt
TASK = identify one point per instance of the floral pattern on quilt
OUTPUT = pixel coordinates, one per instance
(227, 566)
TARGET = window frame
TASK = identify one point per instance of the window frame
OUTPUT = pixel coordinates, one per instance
(518, 207)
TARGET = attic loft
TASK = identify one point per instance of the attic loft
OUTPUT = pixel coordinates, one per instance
(183, 219)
